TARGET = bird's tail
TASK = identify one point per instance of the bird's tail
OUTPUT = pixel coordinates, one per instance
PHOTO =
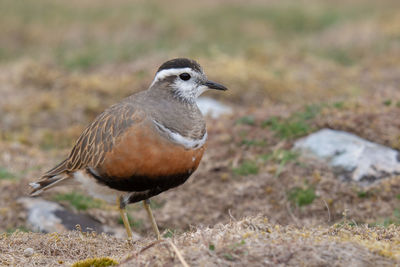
(55, 176)
(46, 183)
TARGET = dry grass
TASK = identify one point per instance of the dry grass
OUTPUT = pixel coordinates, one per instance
(252, 241)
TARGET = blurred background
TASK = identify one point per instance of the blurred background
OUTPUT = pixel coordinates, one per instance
(292, 67)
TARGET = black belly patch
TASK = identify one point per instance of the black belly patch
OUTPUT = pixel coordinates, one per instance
(142, 185)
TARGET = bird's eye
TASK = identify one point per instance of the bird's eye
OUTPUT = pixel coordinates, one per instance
(185, 76)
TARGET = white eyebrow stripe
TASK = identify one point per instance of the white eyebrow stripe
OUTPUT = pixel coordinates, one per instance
(188, 143)
(168, 72)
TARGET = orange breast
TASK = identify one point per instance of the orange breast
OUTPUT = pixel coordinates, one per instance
(142, 151)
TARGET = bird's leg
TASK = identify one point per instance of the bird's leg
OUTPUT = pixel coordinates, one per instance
(122, 210)
(146, 204)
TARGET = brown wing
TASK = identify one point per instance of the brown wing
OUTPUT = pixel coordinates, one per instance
(100, 136)
(90, 149)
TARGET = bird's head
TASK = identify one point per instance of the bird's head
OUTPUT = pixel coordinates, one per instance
(184, 79)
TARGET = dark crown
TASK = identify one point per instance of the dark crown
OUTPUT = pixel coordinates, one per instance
(179, 63)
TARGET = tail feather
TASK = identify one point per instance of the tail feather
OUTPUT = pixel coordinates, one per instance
(51, 178)
(59, 168)
(44, 184)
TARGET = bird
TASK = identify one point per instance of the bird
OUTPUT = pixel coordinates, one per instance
(147, 143)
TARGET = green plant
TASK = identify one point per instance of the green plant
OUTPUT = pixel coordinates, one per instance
(302, 196)
(342, 56)
(363, 194)
(393, 219)
(338, 105)
(136, 224)
(286, 129)
(169, 233)
(96, 262)
(296, 125)
(387, 102)
(248, 120)
(249, 142)
(246, 168)
(310, 112)
(5, 174)
(78, 201)
(282, 157)
(17, 229)
(229, 257)
(156, 204)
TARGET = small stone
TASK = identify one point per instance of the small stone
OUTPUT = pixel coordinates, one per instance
(28, 252)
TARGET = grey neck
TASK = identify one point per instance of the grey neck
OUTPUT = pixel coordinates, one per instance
(179, 116)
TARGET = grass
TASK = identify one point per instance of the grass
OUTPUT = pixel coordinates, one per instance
(156, 204)
(136, 224)
(96, 34)
(394, 219)
(96, 262)
(341, 56)
(17, 229)
(252, 142)
(296, 125)
(51, 140)
(339, 105)
(387, 102)
(211, 247)
(5, 174)
(282, 157)
(245, 241)
(78, 201)
(247, 120)
(363, 194)
(169, 233)
(287, 129)
(248, 167)
(302, 196)
(97, 54)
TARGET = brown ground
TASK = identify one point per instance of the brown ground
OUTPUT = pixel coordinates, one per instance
(252, 241)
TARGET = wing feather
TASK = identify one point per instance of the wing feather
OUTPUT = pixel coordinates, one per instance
(100, 136)
(92, 145)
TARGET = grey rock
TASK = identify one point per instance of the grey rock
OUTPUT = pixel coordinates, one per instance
(41, 217)
(47, 217)
(351, 157)
(212, 107)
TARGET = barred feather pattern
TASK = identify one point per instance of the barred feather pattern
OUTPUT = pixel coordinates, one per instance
(95, 141)
(100, 136)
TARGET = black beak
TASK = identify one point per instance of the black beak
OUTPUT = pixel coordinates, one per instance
(216, 86)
